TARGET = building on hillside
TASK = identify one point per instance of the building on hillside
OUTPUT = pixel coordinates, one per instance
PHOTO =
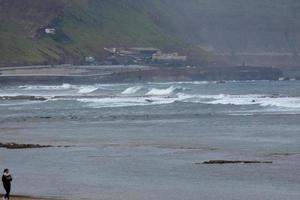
(134, 55)
(169, 59)
(145, 51)
(50, 31)
(143, 55)
(90, 59)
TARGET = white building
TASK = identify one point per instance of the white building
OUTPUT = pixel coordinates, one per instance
(173, 57)
(50, 31)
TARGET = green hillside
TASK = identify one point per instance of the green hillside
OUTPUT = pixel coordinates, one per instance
(85, 27)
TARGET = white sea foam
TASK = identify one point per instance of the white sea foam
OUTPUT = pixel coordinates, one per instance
(162, 96)
(125, 101)
(87, 89)
(252, 99)
(284, 102)
(82, 89)
(132, 90)
(64, 86)
(266, 101)
(180, 83)
(163, 92)
(236, 99)
(157, 95)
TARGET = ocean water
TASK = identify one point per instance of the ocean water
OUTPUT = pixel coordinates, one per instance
(141, 141)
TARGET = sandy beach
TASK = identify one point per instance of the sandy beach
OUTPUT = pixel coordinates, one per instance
(29, 198)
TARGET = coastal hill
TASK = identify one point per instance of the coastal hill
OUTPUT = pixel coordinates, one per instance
(84, 27)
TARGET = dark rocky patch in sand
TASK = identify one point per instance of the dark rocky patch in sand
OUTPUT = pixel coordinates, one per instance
(222, 162)
(23, 97)
(26, 146)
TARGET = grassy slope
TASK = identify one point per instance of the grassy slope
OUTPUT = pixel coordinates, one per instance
(90, 25)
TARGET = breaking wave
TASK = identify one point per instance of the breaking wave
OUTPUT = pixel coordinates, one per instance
(64, 86)
(239, 100)
(81, 89)
(132, 90)
(163, 92)
(87, 89)
(151, 94)
(283, 102)
(124, 101)
(181, 83)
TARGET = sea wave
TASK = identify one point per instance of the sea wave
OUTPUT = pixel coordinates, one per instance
(81, 89)
(132, 90)
(164, 92)
(125, 101)
(87, 89)
(64, 86)
(181, 83)
(239, 100)
(151, 94)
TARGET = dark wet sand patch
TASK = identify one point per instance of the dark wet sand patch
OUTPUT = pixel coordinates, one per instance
(18, 197)
(223, 162)
(13, 145)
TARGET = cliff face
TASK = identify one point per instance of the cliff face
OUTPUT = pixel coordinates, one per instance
(84, 27)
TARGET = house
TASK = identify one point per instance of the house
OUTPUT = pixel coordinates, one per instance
(50, 31)
(164, 58)
(143, 55)
(89, 59)
(132, 55)
(146, 51)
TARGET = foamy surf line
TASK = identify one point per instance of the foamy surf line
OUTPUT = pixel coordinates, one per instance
(182, 83)
(283, 102)
(81, 89)
(167, 96)
(64, 86)
(132, 90)
(87, 89)
(125, 101)
(164, 92)
(150, 94)
(240, 100)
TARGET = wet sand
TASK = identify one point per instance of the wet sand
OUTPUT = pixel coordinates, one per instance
(30, 198)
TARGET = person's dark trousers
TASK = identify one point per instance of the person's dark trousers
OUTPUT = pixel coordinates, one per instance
(7, 189)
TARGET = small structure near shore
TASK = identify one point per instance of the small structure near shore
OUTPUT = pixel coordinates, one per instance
(173, 58)
(51, 31)
(90, 60)
(143, 55)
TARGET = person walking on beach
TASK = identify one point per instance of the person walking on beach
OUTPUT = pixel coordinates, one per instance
(6, 179)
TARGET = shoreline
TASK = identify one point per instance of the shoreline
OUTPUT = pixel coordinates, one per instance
(134, 74)
(23, 197)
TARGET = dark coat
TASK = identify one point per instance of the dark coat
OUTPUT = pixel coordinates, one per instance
(6, 181)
